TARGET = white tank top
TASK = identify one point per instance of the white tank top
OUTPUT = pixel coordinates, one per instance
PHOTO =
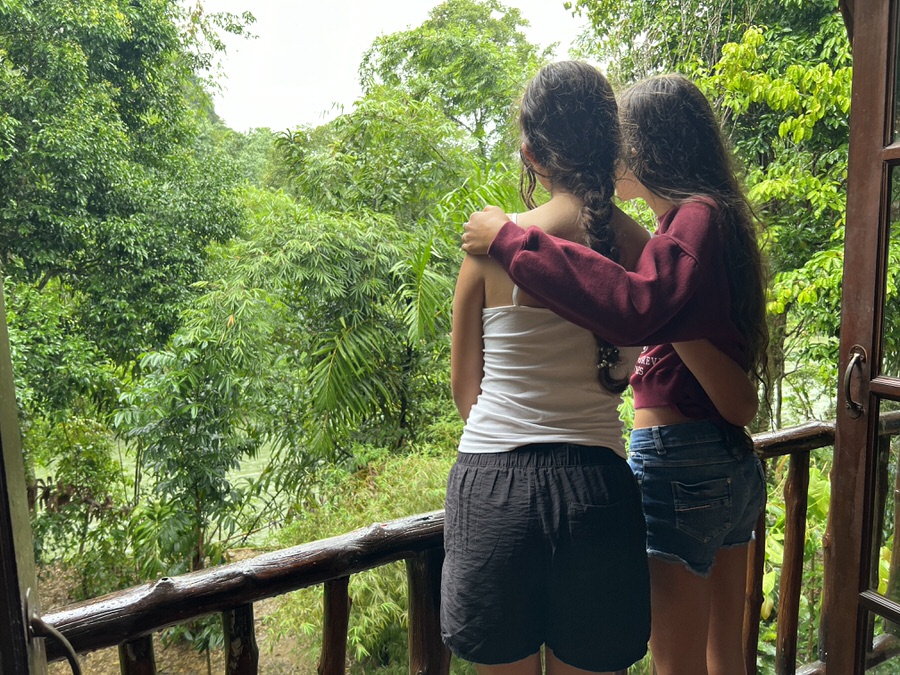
(540, 384)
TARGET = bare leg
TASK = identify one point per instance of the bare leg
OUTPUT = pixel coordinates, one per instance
(557, 667)
(725, 648)
(530, 665)
(680, 602)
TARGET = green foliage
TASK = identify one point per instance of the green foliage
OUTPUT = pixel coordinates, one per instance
(385, 487)
(156, 531)
(471, 58)
(334, 323)
(364, 307)
(80, 504)
(811, 594)
(641, 38)
(202, 36)
(890, 357)
(256, 158)
(57, 369)
(105, 184)
(495, 184)
(392, 154)
(112, 188)
(190, 429)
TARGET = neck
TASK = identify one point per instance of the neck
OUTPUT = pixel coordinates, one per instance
(658, 205)
(560, 215)
(557, 194)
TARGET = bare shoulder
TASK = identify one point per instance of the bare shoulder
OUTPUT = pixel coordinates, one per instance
(475, 264)
(473, 269)
(560, 217)
(631, 236)
(483, 279)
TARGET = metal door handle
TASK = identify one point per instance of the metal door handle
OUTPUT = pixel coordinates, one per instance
(38, 628)
(857, 358)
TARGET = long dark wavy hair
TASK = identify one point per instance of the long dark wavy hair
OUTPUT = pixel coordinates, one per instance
(569, 119)
(673, 143)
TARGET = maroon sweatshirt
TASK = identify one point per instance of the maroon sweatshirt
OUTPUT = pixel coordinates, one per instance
(677, 291)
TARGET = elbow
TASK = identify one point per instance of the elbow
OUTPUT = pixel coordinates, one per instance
(464, 400)
(741, 413)
(742, 418)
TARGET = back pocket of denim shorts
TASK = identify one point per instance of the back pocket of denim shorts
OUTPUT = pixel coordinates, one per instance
(703, 510)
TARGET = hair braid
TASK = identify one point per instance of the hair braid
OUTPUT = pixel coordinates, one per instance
(569, 119)
(597, 217)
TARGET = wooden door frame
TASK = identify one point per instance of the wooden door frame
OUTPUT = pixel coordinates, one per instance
(848, 542)
(18, 653)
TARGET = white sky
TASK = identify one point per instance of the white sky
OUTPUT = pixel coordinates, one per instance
(307, 53)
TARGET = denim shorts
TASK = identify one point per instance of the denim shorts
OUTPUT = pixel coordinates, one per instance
(545, 545)
(702, 488)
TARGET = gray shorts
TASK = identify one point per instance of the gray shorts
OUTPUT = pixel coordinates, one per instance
(545, 545)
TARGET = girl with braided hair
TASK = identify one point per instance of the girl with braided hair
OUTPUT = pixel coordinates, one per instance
(544, 533)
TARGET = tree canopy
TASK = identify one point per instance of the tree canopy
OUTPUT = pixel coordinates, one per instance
(108, 182)
(471, 58)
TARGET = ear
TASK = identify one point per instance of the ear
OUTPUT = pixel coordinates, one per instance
(527, 154)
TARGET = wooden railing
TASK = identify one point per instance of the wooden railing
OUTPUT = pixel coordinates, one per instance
(129, 618)
(797, 442)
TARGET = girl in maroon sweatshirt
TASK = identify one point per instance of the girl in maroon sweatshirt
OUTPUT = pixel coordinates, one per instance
(699, 278)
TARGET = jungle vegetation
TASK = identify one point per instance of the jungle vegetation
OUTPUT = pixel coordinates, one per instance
(186, 301)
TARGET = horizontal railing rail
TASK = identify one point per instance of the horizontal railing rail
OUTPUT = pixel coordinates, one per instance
(128, 618)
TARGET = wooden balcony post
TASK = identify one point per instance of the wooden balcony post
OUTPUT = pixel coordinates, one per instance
(136, 656)
(336, 621)
(756, 560)
(796, 492)
(427, 653)
(241, 650)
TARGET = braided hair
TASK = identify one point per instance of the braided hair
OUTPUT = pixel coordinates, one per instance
(568, 118)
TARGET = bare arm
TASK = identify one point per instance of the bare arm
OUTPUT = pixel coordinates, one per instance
(466, 342)
(724, 381)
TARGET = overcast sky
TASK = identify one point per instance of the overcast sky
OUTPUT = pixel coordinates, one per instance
(307, 53)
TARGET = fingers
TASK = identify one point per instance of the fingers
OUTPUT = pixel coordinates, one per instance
(468, 241)
(480, 229)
